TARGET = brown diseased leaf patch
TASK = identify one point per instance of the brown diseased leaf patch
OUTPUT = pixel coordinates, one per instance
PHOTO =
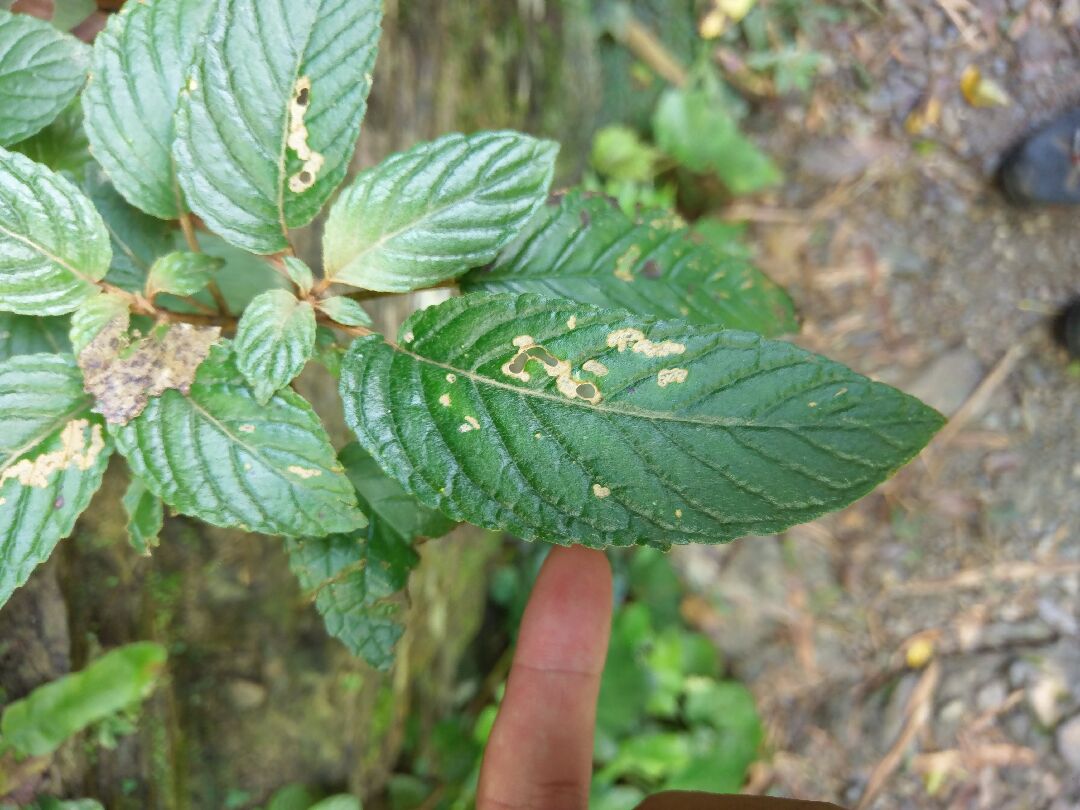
(122, 374)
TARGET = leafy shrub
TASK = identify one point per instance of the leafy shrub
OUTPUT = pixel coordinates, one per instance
(604, 380)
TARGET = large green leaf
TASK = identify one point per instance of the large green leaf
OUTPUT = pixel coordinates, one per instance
(53, 244)
(357, 578)
(429, 214)
(563, 422)
(41, 70)
(585, 249)
(274, 341)
(220, 456)
(53, 453)
(25, 334)
(140, 62)
(269, 120)
(696, 128)
(39, 723)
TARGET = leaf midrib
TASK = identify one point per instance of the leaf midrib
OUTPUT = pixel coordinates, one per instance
(660, 416)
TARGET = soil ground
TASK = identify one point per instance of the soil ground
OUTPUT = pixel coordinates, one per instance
(922, 648)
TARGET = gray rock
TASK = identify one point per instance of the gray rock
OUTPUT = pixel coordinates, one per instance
(1068, 742)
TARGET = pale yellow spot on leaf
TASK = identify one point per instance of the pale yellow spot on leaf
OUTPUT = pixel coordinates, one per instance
(663, 349)
(470, 424)
(74, 452)
(595, 367)
(524, 341)
(297, 138)
(678, 513)
(451, 378)
(671, 376)
(622, 339)
(408, 337)
(600, 491)
(572, 323)
(625, 264)
(247, 428)
(304, 472)
(444, 400)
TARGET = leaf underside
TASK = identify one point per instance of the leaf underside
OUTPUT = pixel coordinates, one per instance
(357, 578)
(585, 249)
(140, 62)
(53, 244)
(218, 455)
(53, 454)
(627, 431)
(429, 214)
(41, 70)
(146, 516)
(233, 153)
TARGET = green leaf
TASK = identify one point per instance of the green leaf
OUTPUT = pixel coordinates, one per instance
(146, 516)
(41, 70)
(40, 723)
(563, 422)
(25, 334)
(339, 802)
(220, 456)
(49, 803)
(357, 577)
(53, 453)
(356, 583)
(141, 60)
(53, 244)
(93, 315)
(137, 239)
(619, 153)
(429, 214)
(585, 249)
(695, 127)
(62, 145)
(182, 273)
(392, 510)
(268, 122)
(300, 274)
(345, 311)
(275, 339)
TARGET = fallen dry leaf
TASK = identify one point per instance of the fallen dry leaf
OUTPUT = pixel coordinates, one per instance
(981, 91)
(122, 374)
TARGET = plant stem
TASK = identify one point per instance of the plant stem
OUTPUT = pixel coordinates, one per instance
(640, 41)
(188, 227)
